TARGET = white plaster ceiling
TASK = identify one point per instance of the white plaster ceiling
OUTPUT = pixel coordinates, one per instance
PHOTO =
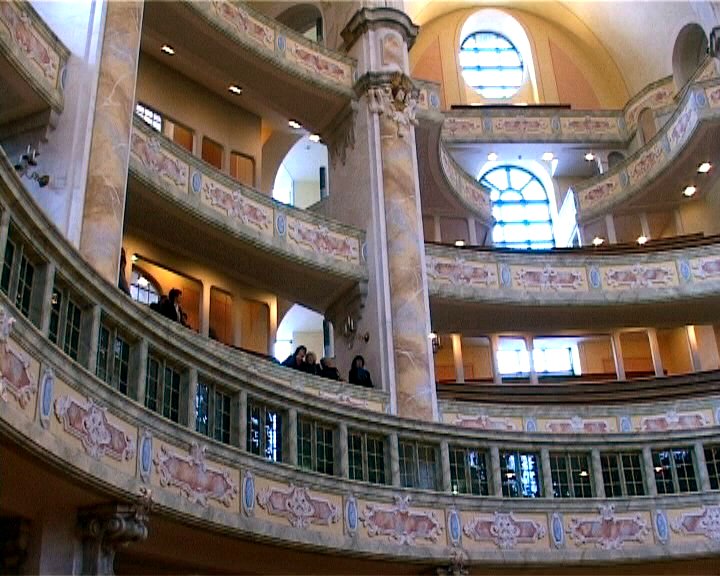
(304, 160)
(299, 319)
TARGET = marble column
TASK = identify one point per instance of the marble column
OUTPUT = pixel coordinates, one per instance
(106, 528)
(597, 475)
(472, 231)
(104, 209)
(494, 347)
(645, 225)
(445, 466)
(394, 445)
(649, 471)
(617, 355)
(610, 226)
(291, 447)
(530, 346)
(655, 352)
(458, 358)
(702, 471)
(496, 475)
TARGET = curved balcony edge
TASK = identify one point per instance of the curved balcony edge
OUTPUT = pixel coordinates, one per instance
(467, 189)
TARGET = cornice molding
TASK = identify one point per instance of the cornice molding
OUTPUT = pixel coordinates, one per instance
(371, 18)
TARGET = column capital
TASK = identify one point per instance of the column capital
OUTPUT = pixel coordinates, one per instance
(372, 18)
(391, 95)
(107, 527)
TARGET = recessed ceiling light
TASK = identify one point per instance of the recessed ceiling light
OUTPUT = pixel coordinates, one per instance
(642, 239)
(492, 157)
(548, 156)
(689, 191)
(597, 241)
(169, 50)
(459, 243)
(143, 282)
(235, 89)
(704, 168)
(294, 124)
(314, 138)
(589, 156)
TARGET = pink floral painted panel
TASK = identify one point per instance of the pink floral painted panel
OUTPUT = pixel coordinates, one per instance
(485, 422)
(504, 530)
(462, 128)
(659, 97)
(633, 276)
(195, 479)
(322, 240)
(591, 126)
(18, 30)
(704, 269)
(672, 420)
(89, 424)
(298, 506)
(319, 64)
(241, 21)
(577, 425)
(158, 162)
(646, 163)
(549, 279)
(682, 127)
(461, 272)
(400, 522)
(608, 531)
(713, 96)
(704, 523)
(238, 207)
(599, 192)
(15, 377)
(522, 126)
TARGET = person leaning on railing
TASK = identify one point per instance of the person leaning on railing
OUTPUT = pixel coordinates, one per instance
(358, 374)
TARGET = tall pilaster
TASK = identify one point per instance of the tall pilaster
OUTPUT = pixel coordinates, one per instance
(397, 293)
(104, 210)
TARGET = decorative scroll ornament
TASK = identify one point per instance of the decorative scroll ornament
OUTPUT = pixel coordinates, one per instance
(89, 424)
(504, 530)
(14, 368)
(608, 532)
(299, 507)
(397, 101)
(705, 523)
(196, 480)
(401, 523)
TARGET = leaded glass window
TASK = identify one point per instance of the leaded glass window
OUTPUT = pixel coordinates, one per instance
(491, 65)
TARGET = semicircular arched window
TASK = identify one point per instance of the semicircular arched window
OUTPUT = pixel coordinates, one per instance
(520, 207)
(491, 65)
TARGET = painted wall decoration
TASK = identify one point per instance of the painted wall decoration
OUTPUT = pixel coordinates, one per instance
(661, 526)
(15, 378)
(238, 17)
(557, 530)
(454, 527)
(599, 192)
(298, 506)
(401, 523)
(18, 29)
(455, 128)
(485, 422)
(713, 96)
(608, 531)
(640, 276)
(196, 480)
(248, 493)
(149, 152)
(577, 425)
(646, 163)
(88, 423)
(145, 459)
(549, 278)
(315, 62)
(591, 126)
(238, 207)
(47, 386)
(470, 192)
(672, 420)
(657, 97)
(517, 126)
(707, 268)
(352, 515)
(704, 523)
(461, 272)
(343, 398)
(392, 51)
(320, 239)
(504, 530)
(683, 125)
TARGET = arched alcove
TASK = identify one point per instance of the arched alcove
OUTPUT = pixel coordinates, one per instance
(691, 47)
(647, 125)
(614, 158)
(306, 19)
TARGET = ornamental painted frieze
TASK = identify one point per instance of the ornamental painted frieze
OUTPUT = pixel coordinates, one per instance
(504, 530)
(15, 377)
(475, 195)
(599, 192)
(485, 422)
(592, 126)
(88, 423)
(550, 279)
(520, 126)
(704, 523)
(400, 523)
(707, 268)
(343, 398)
(238, 207)
(461, 128)
(658, 98)
(396, 102)
(577, 425)
(149, 152)
(640, 276)
(317, 64)
(459, 272)
(713, 96)
(17, 25)
(671, 420)
(608, 531)
(646, 163)
(320, 239)
(298, 506)
(195, 479)
(235, 15)
(681, 128)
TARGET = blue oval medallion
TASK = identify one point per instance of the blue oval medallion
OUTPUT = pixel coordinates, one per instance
(684, 270)
(281, 42)
(281, 224)
(555, 124)
(351, 514)
(624, 179)
(625, 424)
(196, 182)
(434, 100)
(661, 525)
(595, 279)
(505, 275)
(531, 425)
(454, 527)
(47, 395)
(146, 456)
(557, 530)
(700, 99)
(249, 492)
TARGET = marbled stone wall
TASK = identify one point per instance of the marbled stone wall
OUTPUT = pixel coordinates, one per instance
(101, 235)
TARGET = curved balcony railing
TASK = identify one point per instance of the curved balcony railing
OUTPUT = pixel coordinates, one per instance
(54, 407)
(573, 278)
(700, 104)
(467, 189)
(34, 51)
(199, 188)
(279, 45)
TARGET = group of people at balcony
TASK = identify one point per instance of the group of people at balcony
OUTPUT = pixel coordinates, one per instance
(305, 361)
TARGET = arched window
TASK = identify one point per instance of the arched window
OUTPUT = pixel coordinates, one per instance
(142, 288)
(521, 208)
(491, 64)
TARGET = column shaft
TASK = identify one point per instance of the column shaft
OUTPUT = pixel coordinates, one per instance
(458, 358)
(655, 352)
(617, 355)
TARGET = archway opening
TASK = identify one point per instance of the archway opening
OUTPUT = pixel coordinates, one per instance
(691, 47)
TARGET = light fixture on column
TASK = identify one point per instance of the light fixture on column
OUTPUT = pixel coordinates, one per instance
(28, 161)
(435, 341)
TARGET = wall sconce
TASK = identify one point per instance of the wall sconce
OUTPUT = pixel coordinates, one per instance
(27, 161)
(349, 326)
(349, 331)
(435, 341)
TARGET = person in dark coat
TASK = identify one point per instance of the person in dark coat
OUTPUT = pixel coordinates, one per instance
(170, 308)
(310, 365)
(122, 280)
(358, 374)
(296, 359)
(328, 369)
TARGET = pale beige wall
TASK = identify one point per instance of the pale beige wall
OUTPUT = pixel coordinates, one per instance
(702, 214)
(636, 352)
(190, 104)
(477, 359)
(596, 356)
(313, 341)
(675, 350)
(571, 66)
(306, 193)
